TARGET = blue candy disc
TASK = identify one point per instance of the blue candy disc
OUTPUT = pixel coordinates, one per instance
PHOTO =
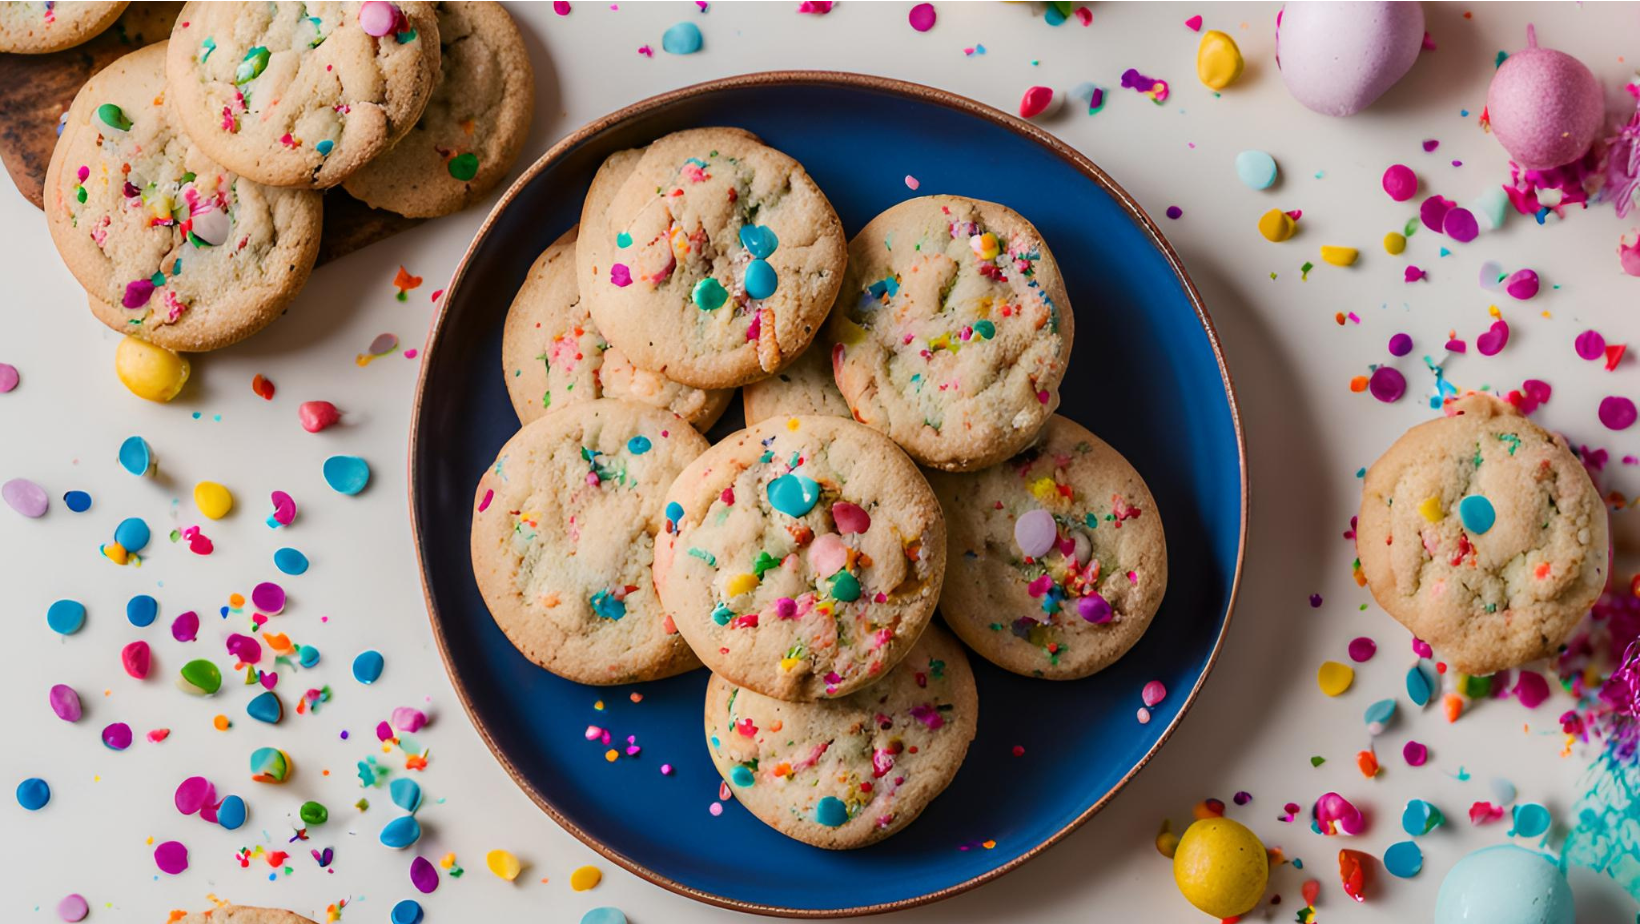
(1477, 514)
(65, 617)
(266, 707)
(231, 813)
(1256, 169)
(405, 793)
(33, 794)
(604, 916)
(407, 911)
(758, 240)
(141, 610)
(290, 561)
(761, 280)
(347, 474)
(135, 456)
(1531, 820)
(794, 494)
(831, 811)
(133, 534)
(682, 39)
(401, 832)
(1404, 860)
(367, 667)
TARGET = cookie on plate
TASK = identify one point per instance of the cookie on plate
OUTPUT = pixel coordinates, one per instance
(1057, 557)
(171, 246)
(241, 914)
(1483, 535)
(474, 124)
(564, 527)
(802, 557)
(717, 261)
(955, 330)
(553, 356)
(37, 28)
(301, 94)
(803, 388)
(851, 771)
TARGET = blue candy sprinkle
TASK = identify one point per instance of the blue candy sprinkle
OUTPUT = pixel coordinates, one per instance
(325, 147)
(367, 667)
(638, 445)
(831, 812)
(1477, 514)
(741, 776)
(290, 561)
(793, 494)
(401, 832)
(1531, 820)
(77, 501)
(231, 813)
(135, 456)
(674, 513)
(721, 614)
(1421, 683)
(682, 39)
(407, 911)
(1404, 860)
(141, 610)
(307, 656)
(133, 534)
(65, 617)
(604, 916)
(761, 280)
(347, 474)
(1420, 818)
(405, 793)
(33, 794)
(266, 707)
(606, 606)
(1378, 716)
(758, 240)
(623, 240)
(1256, 169)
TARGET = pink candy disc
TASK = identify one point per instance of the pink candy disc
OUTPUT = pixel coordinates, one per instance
(1617, 412)
(1400, 182)
(317, 415)
(193, 794)
(268, 598)
(827, 555)
(1590, 345)
(185, 628)
(136, 658)
(117, 736)
(1494, 340)
(378, 18)
(1460, 225)
(66, 703)
(406, 719)
(284, 509)
(850, 518)
(922, 17)
(171, 857)
(1035, 532)
(73, 908)
(1153, 693)
(1522, 284)
(1416, 754)
(1362, 649)
(1387, 384)
(1035, 102)
(1433, 212)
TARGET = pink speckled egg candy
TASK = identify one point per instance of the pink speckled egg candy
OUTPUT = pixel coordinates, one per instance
(1545, 106)
(1338, 58)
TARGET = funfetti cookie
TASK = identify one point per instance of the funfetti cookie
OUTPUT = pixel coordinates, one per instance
(171, 246)
(1058, 561)
(241, 914)
(37, 28)
(805, 387)
(848, 772)
(553, 356)
(717, 261)
(955, 330)
(1483, 535)
(301, 94)
(802, 557)
(473, 127)
(564, 527)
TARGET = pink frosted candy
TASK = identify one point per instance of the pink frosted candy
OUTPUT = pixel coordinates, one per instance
(1521, 284)
(136, 657)
(1628, 257)
(1433, 212)
(1531, 689)
(268, 598)
(284, 509)
(1362, 649)
(1494, 340)
(317, 415)
(1617, 412)
(1400, 182)
(185, 628)
(193, 794)
(406, 719)
(1460, 225)
(171, 857)
(850, 518)
(827, 555)
(1153, 693)
(1387, 384)
(1590, 344)
(1415, 753)
(378, 18)
(922, 17)
(1545, 106)
(1337, 815)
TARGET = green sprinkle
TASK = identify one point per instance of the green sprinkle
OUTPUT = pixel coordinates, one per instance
(709, 294)
(623, 240)
(464, 166)
(1317, 761)
(704, 556)
(113, 117)
(1304, 271)
(255, 62)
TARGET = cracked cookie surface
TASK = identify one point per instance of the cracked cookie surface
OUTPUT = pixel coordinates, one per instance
(806, 387)
(1482, 534)
(33, 28)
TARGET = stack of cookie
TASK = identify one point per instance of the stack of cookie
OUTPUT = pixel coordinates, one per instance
(184, 192)
(899, 392)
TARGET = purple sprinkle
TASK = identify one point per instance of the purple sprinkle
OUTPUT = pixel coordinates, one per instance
(1460, 225)
(1415, 753)
(1522, 284)
(1174, 211)
(620, 275)
(1400, 345)
(1431, 145)
(1494, 340)
(1456, 346)
(171, 857)
(1433, 212)
(422, 875)
(117, 736)
(185, 628)
(1242, 798)
(137, 293)
(1590, 344)
(1362, 649)
(1617, 412)
(66, 703)
(1387, 384)
(1315, 601)
(1094, 608)
(268, 598)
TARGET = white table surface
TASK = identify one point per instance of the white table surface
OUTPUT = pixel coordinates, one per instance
(1261, 716)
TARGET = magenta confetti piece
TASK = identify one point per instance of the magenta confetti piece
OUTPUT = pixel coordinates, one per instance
(1413, 274)
(1387, 384)
(1335, 814)
(284, 508)
(185, 628)
(117, 736)
(268, 598)
(245, 648)
(193, 794)
(1431, 144)
(1456, 346)
(136, 658)
(1522, 284)
(1400, 345)
(1617, 412)
(1400, 182)
(620, 275)
(1153, 693)
(1537, 389)
(406, 719)
(137, 293)
(171, 858)
(1494, 340)
(1362, 649)
(1460, 225)
(1531, 689)
(66, 703)
(922, 17)
(1433, 212)
(423, 875)
(1415, 753)
(1590, 345)
(73, 908)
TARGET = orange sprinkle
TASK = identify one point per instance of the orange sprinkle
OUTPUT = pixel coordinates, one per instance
(1541, 571)
(1358, 384)
(1454, 706)
(1340, 318)
(236, 600)
(221, 722)
(404, 282)
(1367, 762)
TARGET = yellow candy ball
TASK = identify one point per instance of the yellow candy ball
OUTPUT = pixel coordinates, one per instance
(1394, 243)
(212, 499)
(1339, 256)
(503, 864)
(149, 371)
(1276, 226)
(1221, 867)
(1218, 60)
(1334, 678)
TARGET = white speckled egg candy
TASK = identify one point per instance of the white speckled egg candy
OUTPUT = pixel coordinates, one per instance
(1339, 57)
(1545, 106)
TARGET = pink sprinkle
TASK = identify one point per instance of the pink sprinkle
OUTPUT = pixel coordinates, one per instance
(1143, 715)
(911, 182)
(666, 769)
(1494, 340)
(1362, 649)
(1522, 284)
(1387, 384)
(193, 794)
(1460, 225)
(1084, 16)
(646, 51)
(489, 495)
(8, 377)
(593, 733)
(1413, 274)
(1421, 648)
(171, 857)
(922, 17)
(1042, 396)
(716, 808)
(1035, 102)
(1590, 345)
(406, 719)
(561, 7)
(83, 173)
(185, 628)
(1617, 412)
(73, 908)
(620, 275)
(377, 18)
(1431, 145)
(1531, 689)
(1456, 346)
(1153, 693)
(1400, 182)
(1194, 24)
(319, 415)
(1484, 813)
(1415, 753)
(137, 293)
(1433, 212)
(1628, 255)
(816, 7)
(136, 658)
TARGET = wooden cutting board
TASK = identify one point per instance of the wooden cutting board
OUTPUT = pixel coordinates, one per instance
(35, 91)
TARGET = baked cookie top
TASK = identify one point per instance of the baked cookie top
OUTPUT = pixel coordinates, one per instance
(301, 94)
(805, 387)
(1483, 535)
(564, 527)
(1057, 560)
(473, 127)
(553, 355)
(955, 330)
(242, 914)
(802, 557)
(717, 261)
(38, 28)
(851, 771)
(184, 252)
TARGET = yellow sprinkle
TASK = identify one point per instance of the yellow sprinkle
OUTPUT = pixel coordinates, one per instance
(599, 705)
(985, 245)
(1335, 678)
(503, 864)
(1394, 243)
(1218, 60)
(792, 424)
(587, 877)
(1338, 256)
(1276, 226)
(1493, 311)
(212, 499)
(611, 754)
(1430, 509)
(448, 861)
(1044, 489)
(741, 584)
(787, 664)
(116, 553)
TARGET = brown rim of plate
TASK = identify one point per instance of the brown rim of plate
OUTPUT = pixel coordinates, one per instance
(913, 91)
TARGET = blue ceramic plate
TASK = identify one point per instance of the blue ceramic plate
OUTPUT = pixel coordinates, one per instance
(1146, 375)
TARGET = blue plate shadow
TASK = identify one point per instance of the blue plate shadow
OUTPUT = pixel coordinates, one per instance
(1144, 376)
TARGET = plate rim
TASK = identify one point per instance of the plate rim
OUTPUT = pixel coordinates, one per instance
(906, 89)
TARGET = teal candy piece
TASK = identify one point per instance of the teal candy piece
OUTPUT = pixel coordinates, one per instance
(407, 911)
(405, 793)
(270, 765)
(65, 617)
(721, 614)
(135, 456)
(1477, 514)
(607, 607)
(831, 812)
(141, 610)
(1404, 860)
(604, 916)
(324, 147)
(307, 656)
(1493, 205)
(401, 832)
(758, 240)
(266, 707)
(33, 794)
(623, 240)
(1256, 169)
(741, 775)
(347, 474)
(845, 587)
(1505, 884)
(761, 279)
(638, 445)
(367, 667)
(674, 512)
(1378, 716)
(231, 813)
(682, 39)
(289, 561)
(1420, 818)
(709, 294)
(133, 534)
(984, 330)
(1531, 820)
(1421, 683)
(794, 494)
